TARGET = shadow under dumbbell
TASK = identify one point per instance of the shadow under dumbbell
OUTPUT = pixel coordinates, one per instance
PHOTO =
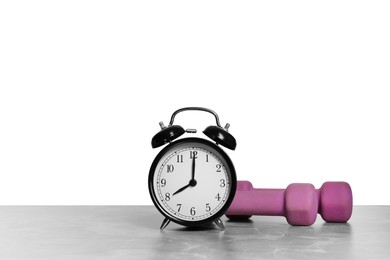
(239, 220)
(340, 229)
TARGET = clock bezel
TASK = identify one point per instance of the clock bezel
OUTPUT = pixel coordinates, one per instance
(233, 182)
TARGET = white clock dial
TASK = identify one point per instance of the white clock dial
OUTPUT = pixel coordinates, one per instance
(192, 181)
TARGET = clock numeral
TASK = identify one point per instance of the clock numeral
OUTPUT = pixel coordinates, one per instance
(170, 168)
(223, 183)
(192, 211)
(218, 197)
(218, 166)
(179, 158)
(163, 182)
(207, 158)
(193, 154)
(208, 208)
(167, 196)
(178, 207)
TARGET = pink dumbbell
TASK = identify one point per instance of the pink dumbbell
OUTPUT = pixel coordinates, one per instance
(299, 202)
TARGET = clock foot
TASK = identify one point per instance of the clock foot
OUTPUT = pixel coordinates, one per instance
(165, 223)
(219, 223)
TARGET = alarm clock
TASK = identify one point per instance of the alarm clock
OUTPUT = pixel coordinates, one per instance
(192, 181)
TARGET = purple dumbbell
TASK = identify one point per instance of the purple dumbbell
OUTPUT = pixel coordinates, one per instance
(299, 202)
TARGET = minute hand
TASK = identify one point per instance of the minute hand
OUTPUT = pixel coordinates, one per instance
(193, 169)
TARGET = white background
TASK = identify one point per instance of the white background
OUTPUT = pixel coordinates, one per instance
(305, 86)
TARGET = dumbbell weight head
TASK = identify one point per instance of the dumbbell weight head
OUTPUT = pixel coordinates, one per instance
(301, 204)
(335, 201)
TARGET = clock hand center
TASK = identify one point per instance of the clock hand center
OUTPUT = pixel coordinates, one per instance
(193, 183)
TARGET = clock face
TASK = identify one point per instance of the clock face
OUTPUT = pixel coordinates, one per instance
(192, 181)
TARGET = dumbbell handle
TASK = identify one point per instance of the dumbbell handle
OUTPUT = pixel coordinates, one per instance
(268, 202)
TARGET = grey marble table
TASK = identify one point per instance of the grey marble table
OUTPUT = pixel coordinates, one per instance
(132, 232)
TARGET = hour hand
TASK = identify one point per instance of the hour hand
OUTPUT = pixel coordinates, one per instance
(182, 188)
(192, 183)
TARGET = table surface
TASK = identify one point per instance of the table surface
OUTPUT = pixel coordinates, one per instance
(132, 232)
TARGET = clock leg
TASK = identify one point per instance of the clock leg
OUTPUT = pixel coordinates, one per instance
(219, 223)
(165, 223)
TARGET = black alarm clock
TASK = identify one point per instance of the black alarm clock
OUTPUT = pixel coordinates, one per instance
(192, 181)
